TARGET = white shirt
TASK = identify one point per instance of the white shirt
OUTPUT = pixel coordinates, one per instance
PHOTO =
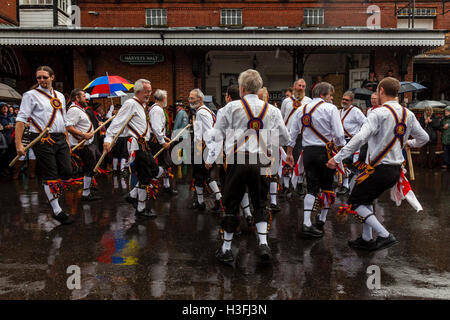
(38, 107)
(286, 108)
(234, 117)
(138, 122)
(203, 124)
(378, 131)
(325, 119)
(158, 122)
(353, 119)
(78, 118)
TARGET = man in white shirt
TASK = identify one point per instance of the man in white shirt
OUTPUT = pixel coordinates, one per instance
(322, 129)
(386, 130)
(204, 121)
(159, 139)
(138, 129)
(80, 127)
(289, 108)
(352, 119)
(241, 122)
(46, 108)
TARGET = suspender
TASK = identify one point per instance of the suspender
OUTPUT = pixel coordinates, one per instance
(76, 105)
(342, 121)
(210, 112)
(295, 105)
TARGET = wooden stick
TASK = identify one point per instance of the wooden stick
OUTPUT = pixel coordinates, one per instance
(32, 143)
(95, 131)
(174, 139)
(113, 142)
(410, 164)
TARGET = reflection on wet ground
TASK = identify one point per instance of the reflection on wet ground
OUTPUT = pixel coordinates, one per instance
(122, 256)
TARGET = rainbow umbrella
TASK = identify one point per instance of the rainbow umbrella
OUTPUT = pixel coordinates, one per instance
(107, 85)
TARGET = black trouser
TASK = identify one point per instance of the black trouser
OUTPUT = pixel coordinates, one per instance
(297, 148)
(201, 175)
(239, 177)
(383, 178)
(53, 160)
(318, 176)
(89, 155)
(120, 149)
(145, 166)
(163, 158)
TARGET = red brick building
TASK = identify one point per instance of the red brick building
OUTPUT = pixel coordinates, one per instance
(180, 45)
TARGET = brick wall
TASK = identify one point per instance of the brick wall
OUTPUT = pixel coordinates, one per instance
(8, 12)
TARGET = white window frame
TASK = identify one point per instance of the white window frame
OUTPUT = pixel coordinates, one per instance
(231, 17)
(35, 2)
(313, 16)
(156, 17)
(63, 5)
(418, 12)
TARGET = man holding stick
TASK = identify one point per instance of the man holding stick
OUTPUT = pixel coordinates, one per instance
(133, 115)
(45, 106)
(386, 130)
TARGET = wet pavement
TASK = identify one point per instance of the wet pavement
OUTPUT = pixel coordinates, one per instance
(122, 256)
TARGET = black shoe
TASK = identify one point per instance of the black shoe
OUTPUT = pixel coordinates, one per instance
(250, 221)
(226, 257)
(217, 206)
(63, 218)
(194, 205)
(90, 197)
(319, 224)
(264, 252)
(383, 243)
(311, 232)
(132, 201)
(170, 191)
(342, 191)
(93, 188)
(300, 190)
(146, 213)
(274, 208)
(201, 207)
(360, 243)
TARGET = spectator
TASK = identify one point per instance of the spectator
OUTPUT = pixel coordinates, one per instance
(318, 80)
(371, 83)
(445, 137)
(288, 92)
(430, 124)
(8, 123)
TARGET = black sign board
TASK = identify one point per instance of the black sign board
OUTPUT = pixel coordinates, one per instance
(144, 58)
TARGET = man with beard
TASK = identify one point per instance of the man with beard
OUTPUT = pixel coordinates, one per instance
(321, 128)
(138, 129)
(386, 130)
(289, 109)
(204, 121)
(352, 119)
(80, 127)
(159, 139)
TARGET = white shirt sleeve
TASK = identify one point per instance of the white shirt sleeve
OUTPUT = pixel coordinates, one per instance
(283, 107)
(26, 107)
(282, 129)
(419, 134)
(218, 135)
(158, 120)
(122, 116)
(72, 117)
(296, 128)
(338, 130)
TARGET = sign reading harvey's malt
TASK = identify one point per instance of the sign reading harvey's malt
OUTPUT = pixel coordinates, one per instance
(142, 58)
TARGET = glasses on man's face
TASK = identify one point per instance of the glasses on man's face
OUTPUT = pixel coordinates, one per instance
(42, 77)
(346, 100)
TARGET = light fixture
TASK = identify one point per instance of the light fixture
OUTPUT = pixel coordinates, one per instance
(95, 13)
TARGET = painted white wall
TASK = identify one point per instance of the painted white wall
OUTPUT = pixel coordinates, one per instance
(36, 17)
(418, 24)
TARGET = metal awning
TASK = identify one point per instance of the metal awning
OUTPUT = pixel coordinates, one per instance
(215, 36)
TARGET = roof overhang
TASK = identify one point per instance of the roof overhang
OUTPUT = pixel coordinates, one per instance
(276, 36)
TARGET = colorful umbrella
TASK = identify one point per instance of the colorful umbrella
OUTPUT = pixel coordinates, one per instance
(106, 95)
(107, 85)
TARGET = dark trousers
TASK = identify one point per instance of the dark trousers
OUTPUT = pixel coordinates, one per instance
(145, 167)
(120, 149)
(89, 155)
(201, 175)
(239, 177)
(428, 159)
(163, 159)
(446, 148)
(318, 176)
(53, 160)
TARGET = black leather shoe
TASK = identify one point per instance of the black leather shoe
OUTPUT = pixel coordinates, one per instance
(226, 257)
(217, 206)
(311, 232)
(319, 224)
(201, 207)
(194, 205)
(274, 207)
(146, 213)
(383, 243)
(63, 218)
(90, 197)
(170, 191)
(300, 190)
(132, 201)
(250, 221)
(264, 252)
(342, 191)
(360, 243)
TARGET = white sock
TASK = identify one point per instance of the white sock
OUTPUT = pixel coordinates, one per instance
(367, 232)
(55, 204)
(124, 184)
(300, 179)
(273, 192)
(308, 204)
(227, 244)
(160, 173)
(215, 189)
(115, 162)
(245, 203)
(142, 197)
(286, 181)
(372, 221)
(166, 182)
(122, 163)
(261, 227)
(345, 182)
(323, 213)
(134, 191)
(115, 182)
(86, 185)
(199, 191)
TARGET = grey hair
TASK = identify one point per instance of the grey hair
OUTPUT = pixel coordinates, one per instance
(160, 95)
(199, 93)
(139, 85)
(349, 94)
(322, 89)
(251, 81)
